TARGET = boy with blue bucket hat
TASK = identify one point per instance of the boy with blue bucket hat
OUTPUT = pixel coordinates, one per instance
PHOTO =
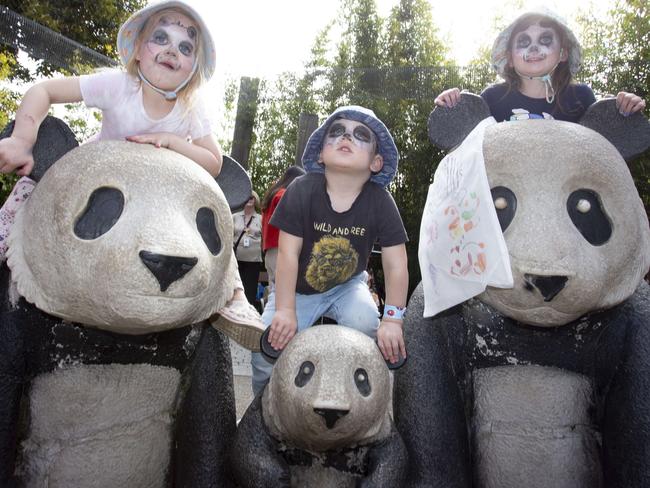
(329, 220)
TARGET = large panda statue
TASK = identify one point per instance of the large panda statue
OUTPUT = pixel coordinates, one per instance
(546, 384)
(109, 372)
(324, 420)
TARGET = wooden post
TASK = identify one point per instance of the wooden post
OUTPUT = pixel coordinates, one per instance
(307, 124)
(246, 111)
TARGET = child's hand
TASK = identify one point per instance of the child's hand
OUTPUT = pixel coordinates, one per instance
(16, 155)
(158, 139)
(283, 328)
(448, 98)
(391, 340)
(628, 103)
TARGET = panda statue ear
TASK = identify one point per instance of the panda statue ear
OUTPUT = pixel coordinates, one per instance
(54, 140)
(235, 183)
(448, 127)
(630, 135)
(401, 360)
(268, 352)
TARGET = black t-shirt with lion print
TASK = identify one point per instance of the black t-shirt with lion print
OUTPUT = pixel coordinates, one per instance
(336, 245)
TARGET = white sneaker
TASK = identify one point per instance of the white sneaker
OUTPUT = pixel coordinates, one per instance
(240, 321)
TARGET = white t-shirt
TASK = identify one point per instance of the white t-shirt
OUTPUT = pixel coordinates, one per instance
(119, 96)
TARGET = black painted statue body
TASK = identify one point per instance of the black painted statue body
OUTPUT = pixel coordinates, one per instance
(545, 384)
(611, 349)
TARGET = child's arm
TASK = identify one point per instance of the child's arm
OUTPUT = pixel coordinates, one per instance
(390, 336)
(204, 151)
(448, 98)
(628, 103)
(285, 323)
(16, 151)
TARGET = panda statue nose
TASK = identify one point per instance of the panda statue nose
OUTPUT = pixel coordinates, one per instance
(167, 269)
(331, 415)
(549, 286)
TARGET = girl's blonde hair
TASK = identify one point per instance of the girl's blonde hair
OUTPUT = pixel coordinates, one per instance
(188, 92)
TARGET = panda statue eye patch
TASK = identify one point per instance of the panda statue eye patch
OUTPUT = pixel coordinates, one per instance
(305, 373)
(505, 203)
(587, 214)
(362, 382)
(208, 229)
(103, 210)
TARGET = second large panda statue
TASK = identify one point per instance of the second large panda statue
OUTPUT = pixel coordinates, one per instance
(546, 384)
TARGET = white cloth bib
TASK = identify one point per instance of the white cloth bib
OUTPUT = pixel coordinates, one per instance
(462, 249)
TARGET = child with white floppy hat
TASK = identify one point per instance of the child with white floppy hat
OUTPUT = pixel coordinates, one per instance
(167, 53)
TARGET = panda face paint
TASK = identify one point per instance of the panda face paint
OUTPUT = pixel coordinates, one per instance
(168, 55)
(355, 132)
(535, 51)
(330, 388)
(131, 256)
(171, 32)
(572, 220)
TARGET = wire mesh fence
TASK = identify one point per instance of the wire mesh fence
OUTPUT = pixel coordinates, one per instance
(40, 42)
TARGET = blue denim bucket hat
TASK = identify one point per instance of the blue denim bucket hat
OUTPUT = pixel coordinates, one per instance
(385, 144)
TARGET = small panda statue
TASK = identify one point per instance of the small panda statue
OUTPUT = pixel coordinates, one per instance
(324, 419)
(546, 384)
(110, 374)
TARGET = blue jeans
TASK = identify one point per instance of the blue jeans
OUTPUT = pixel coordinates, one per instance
(349, 303)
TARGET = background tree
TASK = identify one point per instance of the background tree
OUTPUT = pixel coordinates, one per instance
(92, 23)
(412, 49)
(617, 58)
(390, 65)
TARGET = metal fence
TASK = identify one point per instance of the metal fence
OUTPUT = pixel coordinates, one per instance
(40, 42)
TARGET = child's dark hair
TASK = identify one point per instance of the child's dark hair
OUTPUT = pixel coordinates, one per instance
(291, 173)
(561, 77)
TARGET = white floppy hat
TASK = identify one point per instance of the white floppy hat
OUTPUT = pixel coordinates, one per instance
(130, 30)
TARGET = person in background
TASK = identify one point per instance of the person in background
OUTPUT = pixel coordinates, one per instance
(270, 233)
(247, 240)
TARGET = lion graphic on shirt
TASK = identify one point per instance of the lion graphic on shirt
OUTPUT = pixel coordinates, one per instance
(333, 261)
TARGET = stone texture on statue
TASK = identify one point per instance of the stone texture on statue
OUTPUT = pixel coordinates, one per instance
(544, 384)
(98, 280)
(115, 262)
(324, 418)
(543, 177)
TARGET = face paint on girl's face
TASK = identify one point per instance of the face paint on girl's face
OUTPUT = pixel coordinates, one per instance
(172, 43)
(356, 132)
(536, 43)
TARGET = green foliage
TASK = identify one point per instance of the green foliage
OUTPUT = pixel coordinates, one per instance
(92, 23)
(397, 65)
(617, 58)
(376, 63)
